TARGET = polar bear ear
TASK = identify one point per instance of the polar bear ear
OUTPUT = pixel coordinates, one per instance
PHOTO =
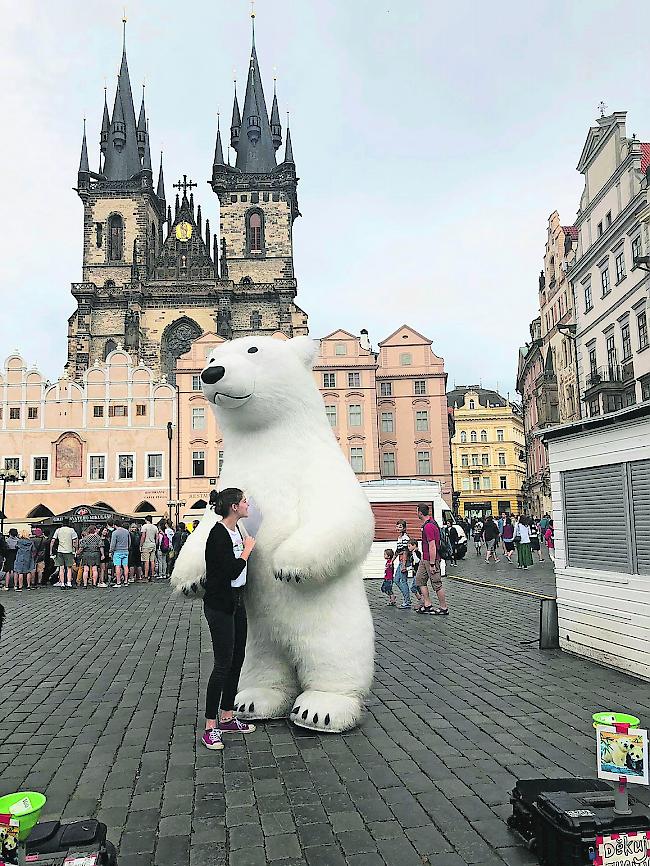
(305, 348)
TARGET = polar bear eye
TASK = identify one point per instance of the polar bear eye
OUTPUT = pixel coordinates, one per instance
(252, 350)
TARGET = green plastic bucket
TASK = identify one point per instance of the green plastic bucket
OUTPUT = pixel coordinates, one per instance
(25, 807)
(611, 719)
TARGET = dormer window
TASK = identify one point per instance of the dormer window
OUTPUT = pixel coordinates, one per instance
(472, 404)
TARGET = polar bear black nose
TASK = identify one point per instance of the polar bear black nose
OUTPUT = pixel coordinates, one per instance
(211, 375)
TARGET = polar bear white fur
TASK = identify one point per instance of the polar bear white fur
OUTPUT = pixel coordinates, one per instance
(310, 649)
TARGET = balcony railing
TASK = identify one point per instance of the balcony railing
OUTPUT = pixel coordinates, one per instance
(604, 375)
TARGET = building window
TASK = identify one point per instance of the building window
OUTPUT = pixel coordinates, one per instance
(483, 435)
(636, 249)
(97, 467)
(599, 229)
(196, 383)
(356, 458)
(12, 463)
(140, 409)
(502, 458)
(354, 380)
(466, 485)
(220, 463)
(154, 466)
(593, 363)
(32, 413)
(594, 407)
(420, 387)
(99, 235)
(642, 324)
(463, 436)
(387, 422)
(385, 389)
(98, 411)
(487, 483)
(354, 415)
(340, 349)
(329, 380)
(629, 397)
(255, 233)
(405, 359)
(472, 404)
(125, 467)
(626, 339)
(499, 435)
(503, 482)
(475, 461)
(388, 463)
(570, 399)
(41, 468)
(14, 413)
(604, 279)
(330, 411)
(620, 267)
(485, 459)
(198, 417)
(117, 411)
(115, 238)
(256, 320)
(608, 219)
(476, 484)
(464, 460)
(421, 420)
(611, 353)
(472, 436)
(424, 463)
(645, 389)
(612, 402)
(198, 463)
(110, 345)
(588, 300)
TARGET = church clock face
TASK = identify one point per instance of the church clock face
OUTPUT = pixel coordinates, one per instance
(183, 231)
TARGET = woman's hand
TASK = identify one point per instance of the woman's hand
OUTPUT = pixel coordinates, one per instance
(249, 544)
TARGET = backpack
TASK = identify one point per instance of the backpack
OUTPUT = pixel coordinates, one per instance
(164, 542)
(444, 548)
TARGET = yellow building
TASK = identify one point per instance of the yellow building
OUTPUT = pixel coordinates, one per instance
(488, 452)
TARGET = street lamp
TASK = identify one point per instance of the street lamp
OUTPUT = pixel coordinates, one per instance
(8, 475)
(177, 504)
(642, 262)
(170, 436)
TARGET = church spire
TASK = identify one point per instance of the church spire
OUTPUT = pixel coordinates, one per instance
(84, 167)
(146, 156)
(255, 150)
(288, 152)
(235, 123)
(218, 150)
(160, 190)
(122, 153)
(276, 126)
(142, 127)
(106, 125)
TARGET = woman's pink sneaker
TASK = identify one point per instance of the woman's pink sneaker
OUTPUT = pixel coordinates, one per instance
(235, 726)
(212, 739)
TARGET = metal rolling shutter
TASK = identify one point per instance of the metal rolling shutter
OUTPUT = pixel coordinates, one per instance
(596, 518)
(640, 478)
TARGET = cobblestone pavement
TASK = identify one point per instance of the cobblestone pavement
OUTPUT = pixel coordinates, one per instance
(100, 691)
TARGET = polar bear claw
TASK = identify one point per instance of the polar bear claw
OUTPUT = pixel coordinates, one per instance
(263, 703)
(326, 711)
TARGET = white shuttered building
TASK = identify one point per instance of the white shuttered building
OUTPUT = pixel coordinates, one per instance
(600, 482)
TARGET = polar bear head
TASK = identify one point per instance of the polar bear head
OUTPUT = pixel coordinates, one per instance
(254, 382)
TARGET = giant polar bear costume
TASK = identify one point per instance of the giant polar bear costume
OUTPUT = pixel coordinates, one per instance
(310, 649)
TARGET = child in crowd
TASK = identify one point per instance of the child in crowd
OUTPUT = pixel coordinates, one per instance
(389, 573)
(414, 557)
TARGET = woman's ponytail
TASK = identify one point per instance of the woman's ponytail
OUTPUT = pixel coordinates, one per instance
(223, 500)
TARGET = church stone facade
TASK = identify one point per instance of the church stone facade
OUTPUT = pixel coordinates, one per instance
(155, 277)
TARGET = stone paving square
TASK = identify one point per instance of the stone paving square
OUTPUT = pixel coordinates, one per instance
(101, 692)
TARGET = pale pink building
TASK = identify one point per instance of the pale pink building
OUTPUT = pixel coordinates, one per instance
(100, 441)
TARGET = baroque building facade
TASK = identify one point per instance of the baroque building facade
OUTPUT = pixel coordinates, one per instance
(487, 452)
(155, 276)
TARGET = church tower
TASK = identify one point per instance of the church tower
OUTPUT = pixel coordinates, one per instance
(258, 205)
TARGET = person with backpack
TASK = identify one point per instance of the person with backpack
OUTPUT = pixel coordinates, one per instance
(148, 545)
(40, 556)
(477, 534)
(429, 568)
(163, 544)
(491, 536)
(535, 545)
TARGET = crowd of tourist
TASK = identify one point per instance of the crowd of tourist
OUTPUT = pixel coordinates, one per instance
(414, 564)
(114, 555)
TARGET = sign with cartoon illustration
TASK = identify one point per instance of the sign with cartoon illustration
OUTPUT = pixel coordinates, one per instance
(623, 849)
(8, 839)
(623, 755)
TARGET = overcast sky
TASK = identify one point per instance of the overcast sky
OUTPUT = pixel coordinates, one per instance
(432, 141)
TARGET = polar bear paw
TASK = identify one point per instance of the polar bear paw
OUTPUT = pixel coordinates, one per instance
(263, 704)
(326, 711)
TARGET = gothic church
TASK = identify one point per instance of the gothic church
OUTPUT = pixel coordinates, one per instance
(154, 275)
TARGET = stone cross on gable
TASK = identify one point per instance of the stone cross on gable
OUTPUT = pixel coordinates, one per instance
(184, 184)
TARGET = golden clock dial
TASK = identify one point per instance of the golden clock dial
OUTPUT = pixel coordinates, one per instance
(183, 231)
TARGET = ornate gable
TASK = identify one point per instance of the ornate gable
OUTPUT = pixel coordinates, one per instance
(185, 254)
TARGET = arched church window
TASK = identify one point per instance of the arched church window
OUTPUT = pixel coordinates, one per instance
(256, 320)
(176, 340)
(110, 346)
(246, 281)
(255, 232)
(115, 238)
(153, 237)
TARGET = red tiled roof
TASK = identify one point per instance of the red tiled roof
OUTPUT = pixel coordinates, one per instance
(572, 231)
(645, 156)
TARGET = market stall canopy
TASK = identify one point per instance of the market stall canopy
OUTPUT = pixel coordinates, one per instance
(84, 515)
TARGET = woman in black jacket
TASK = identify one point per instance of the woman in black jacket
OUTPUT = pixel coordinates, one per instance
(226, 557)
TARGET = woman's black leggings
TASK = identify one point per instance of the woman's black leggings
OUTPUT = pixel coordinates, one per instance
(228, 632)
